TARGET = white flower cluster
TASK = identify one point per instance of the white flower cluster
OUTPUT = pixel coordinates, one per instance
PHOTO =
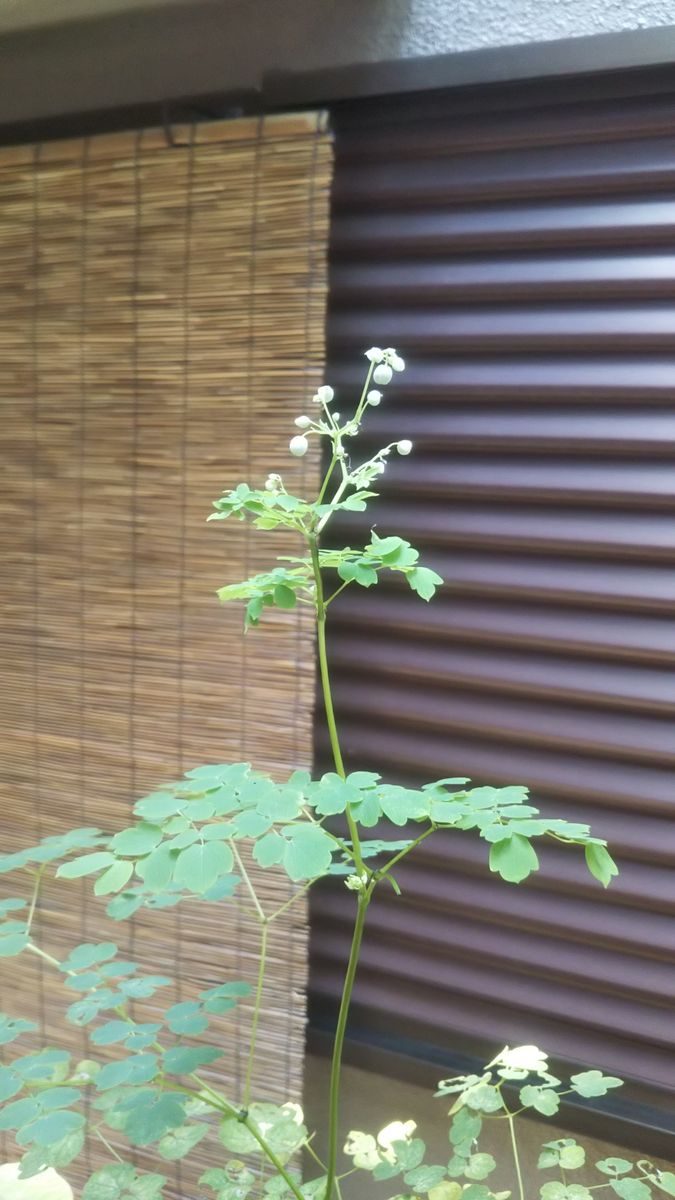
(368, 1152)
(383, 364)
(386, 362)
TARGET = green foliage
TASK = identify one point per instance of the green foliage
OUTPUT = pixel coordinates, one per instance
(122, 1182)
(190, 841)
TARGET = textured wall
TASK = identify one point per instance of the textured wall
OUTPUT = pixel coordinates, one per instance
(432, 26)
(137, 51)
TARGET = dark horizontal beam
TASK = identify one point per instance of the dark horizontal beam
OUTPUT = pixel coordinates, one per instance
(647, 55)
(603, 53)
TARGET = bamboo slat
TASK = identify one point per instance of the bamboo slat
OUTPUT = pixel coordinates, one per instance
(162, 323)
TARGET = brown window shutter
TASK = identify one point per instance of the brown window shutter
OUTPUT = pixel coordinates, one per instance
(517, 246)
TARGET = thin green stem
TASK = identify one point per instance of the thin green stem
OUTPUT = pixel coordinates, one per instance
(247, 880)
(102, 1138)
(34, 898)
(264, 932)
(54, 962)
(338, 1044)
(328, 698)
(380, 874)
(327, 478)
(278, 912)
(337, 591)
(516, 1157)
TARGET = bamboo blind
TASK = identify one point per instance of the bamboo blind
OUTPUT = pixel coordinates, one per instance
(162, 300)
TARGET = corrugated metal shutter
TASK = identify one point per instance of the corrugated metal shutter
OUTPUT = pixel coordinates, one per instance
(518, 248)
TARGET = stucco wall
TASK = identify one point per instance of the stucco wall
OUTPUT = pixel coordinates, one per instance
(131, 52)
(431, 26)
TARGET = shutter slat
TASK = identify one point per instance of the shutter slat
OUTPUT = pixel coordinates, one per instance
(518, 251)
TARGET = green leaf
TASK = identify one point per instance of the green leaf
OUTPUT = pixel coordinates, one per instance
(181, 1141)
(119, 1181)
(12, 944)
(58, 1154)
(479, 1166)
(424, 581)
(10, 1084)
(284, 596)
(182, 1060)
(665, 1180)
(269, 850)
(308, 851)
(198, 867)
(594, 1083)
(421, 1179)
(156, 870)
(88, 955)
(87, 864)
(186, 1018)
(513, 858)
(600, 863)
(544, 1100)
(614, 1166)
(138, 1068)
(51, 1128)
(631, 1189)
(151, 1114)
(138, 840)
(18, 1113)
(114, 879)
(12, 1027)
(564, 1152)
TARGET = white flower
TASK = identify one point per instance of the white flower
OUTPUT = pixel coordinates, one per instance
(523, 1058)
(272, 483)
(375, 355)
(362, 1148)
(404, 446)
(374, 398)
(325, 394)
(45, 1186)
(382, 374)
(356, 883)
(298, 445)
(396, 1131)
(303, 422)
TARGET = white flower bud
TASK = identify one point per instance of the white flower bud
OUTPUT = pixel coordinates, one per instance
(375, 355)
(404, 447)
(272, 483)
(382, 374)
(303, 422)
(298, 446)
(374, 398)
(336, 416)
(325, 394)
(380, 468)
(356, 883)
(397, 362)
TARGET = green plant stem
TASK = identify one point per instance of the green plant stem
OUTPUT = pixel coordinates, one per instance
(328, 697)
(54, 962)
(34, 898)
(101, 1137)
(278, 912)
(247, 880)
(380, 874)
(264, 931)
(338, 1044)
(516, 1157)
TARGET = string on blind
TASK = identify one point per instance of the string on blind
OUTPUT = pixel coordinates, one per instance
(162, 319)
